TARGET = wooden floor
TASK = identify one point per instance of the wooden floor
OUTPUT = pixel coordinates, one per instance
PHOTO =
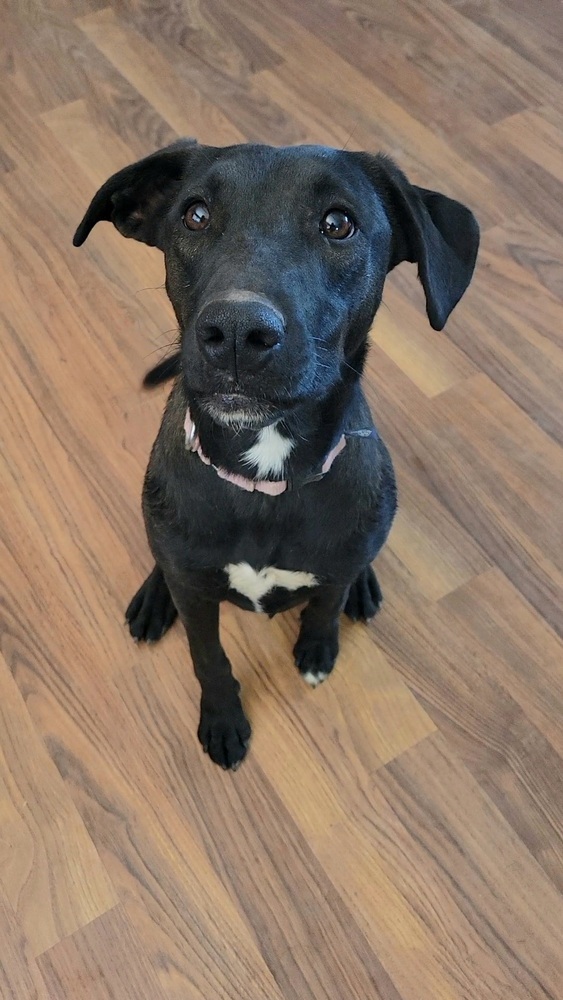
(397, 834)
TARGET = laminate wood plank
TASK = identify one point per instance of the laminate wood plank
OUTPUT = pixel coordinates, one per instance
(430, 360)
(437, 553)
(535, 191)
(34, 43)
(19, 976)
(350, 846)
(145, 68)
(526, 653)
(115, 104)
(511, 330)
(523, 775)
(101, 961)
(534, 31)
(518, 348)
(522, 455)
(429, 83)
(50, 872)
(344, 844)
(506, 900)
(213, 35)
(537, 135)
(534, 249)
(309, 795)
(448, 453)
(135, 267)
(243, 108)
(500, 739)
(41, 187)
(430, 52)
(62, 408)
(308, 958)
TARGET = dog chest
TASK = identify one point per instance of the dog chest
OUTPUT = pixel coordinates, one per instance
(255, 585)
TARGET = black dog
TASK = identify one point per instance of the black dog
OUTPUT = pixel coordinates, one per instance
(268, 485)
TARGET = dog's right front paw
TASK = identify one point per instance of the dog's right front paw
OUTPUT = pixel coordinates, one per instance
(151, 612)
(225, 734)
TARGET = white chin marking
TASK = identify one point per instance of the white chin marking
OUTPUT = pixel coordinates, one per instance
(255, 584)
(314, 679)
(270, 452)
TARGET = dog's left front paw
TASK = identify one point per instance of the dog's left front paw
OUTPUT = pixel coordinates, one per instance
(315, 657)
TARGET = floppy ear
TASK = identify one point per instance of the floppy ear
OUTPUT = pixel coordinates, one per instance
(437, 233)
(135, 198)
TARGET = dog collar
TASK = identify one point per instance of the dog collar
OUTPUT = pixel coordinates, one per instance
(272, 487)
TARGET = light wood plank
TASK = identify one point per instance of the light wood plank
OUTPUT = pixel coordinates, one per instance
(100, 962)
(20, 978)
(50, 871)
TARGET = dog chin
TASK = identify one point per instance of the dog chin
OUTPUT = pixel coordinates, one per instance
(239, 411)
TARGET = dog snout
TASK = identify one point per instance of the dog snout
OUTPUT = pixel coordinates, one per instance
(239, 335)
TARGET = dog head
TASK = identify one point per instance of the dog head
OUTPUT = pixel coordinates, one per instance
(276, 261)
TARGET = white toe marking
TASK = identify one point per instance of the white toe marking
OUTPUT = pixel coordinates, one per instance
(314, 679)
(269, 453)
(255, 584)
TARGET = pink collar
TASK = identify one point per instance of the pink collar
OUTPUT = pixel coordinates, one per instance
(271, 487)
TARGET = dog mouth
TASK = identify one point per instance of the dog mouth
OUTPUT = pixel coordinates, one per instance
(235, 408)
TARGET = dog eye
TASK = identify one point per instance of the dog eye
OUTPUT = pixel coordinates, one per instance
(337, 225)
(197, 216)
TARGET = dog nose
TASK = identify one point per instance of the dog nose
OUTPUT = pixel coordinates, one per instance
(239, 336)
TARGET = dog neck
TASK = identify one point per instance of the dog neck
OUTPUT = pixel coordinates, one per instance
(297, 447)
(266, 454)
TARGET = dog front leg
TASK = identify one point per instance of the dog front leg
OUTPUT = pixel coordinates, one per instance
(316, 648)
(224, 731)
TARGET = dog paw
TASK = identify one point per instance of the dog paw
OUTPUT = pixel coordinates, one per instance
(315, 657)
(225, 734)
(364, 598)
(151, 612)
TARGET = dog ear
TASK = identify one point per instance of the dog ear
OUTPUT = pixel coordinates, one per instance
(135, 198)
(437, 233)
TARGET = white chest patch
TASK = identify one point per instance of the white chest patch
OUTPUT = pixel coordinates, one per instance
(255, 584)
(268, 455)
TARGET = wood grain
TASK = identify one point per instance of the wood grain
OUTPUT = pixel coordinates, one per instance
(398, 833)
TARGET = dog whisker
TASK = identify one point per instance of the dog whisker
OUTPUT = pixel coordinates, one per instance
(163, 347)
(352, 369)
(349, 139)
